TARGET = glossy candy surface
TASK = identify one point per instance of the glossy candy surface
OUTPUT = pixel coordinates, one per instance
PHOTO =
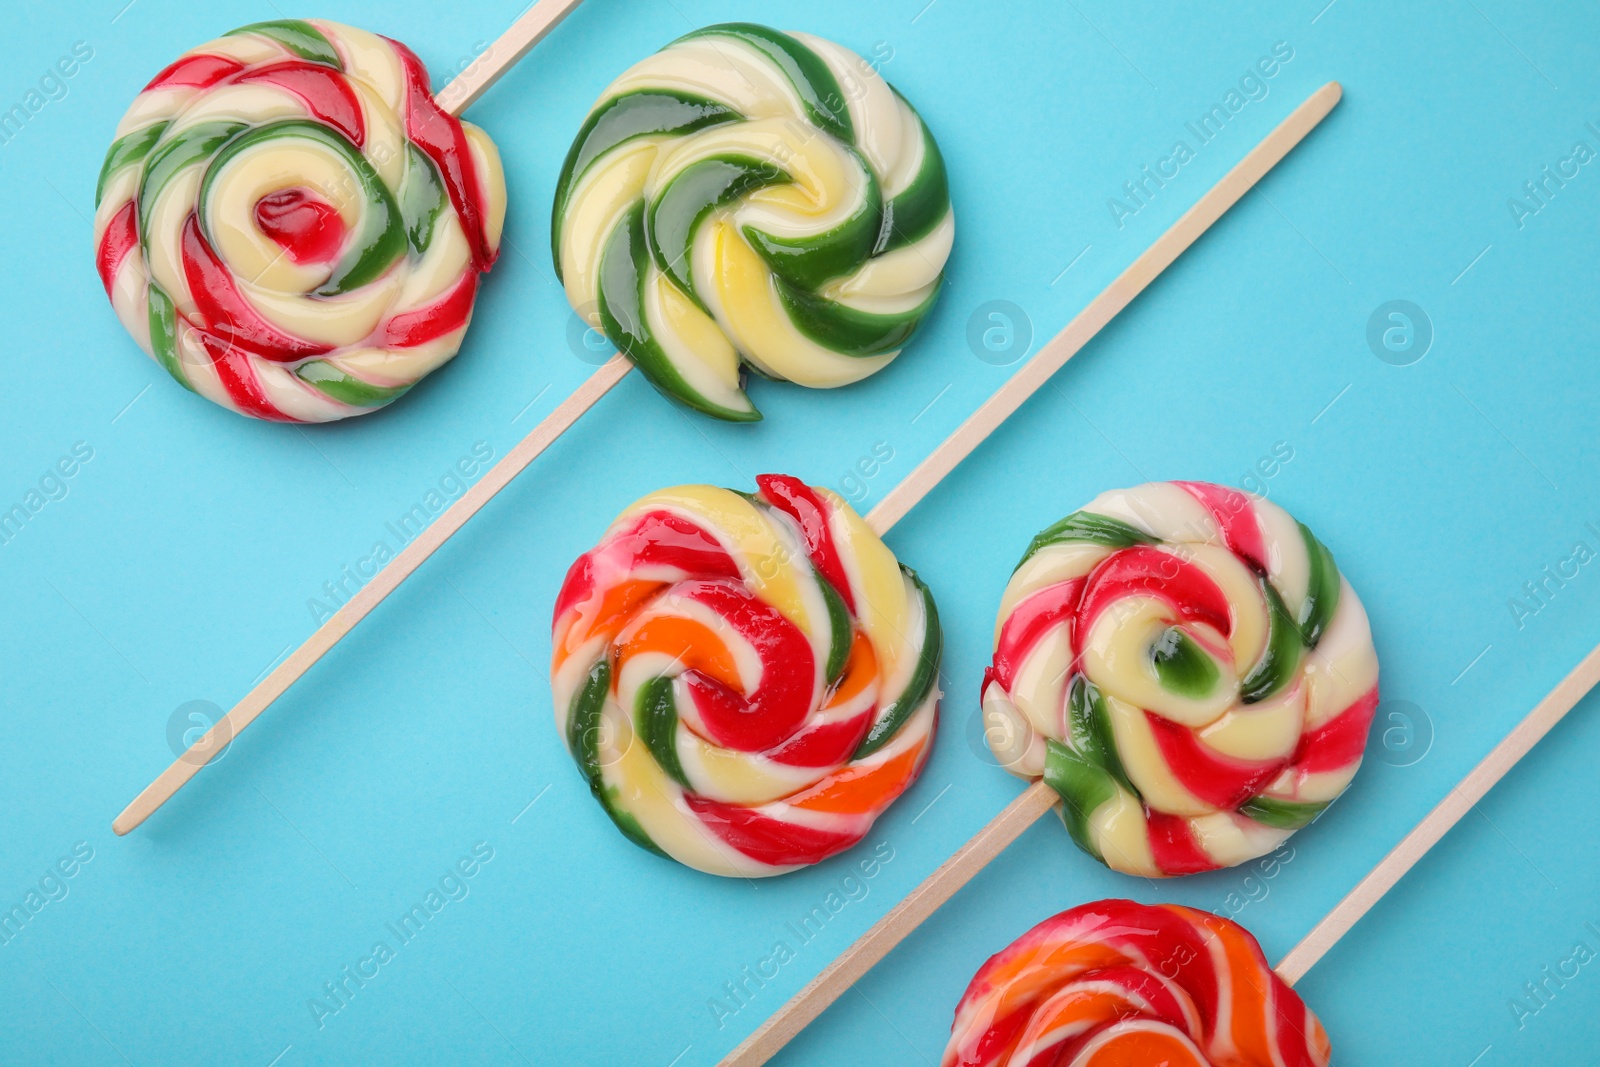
(745, 680)
(751, 197)
(291, 226)
(1120, 984)
(1187, 667)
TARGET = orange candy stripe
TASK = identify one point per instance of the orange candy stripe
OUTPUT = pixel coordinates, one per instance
(1249, 990)
(1085, 1009)
(616, 607)
(855, 791)
(693, 644)
(859, 671)
(1146, 1048)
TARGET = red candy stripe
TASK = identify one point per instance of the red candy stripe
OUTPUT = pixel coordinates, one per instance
(1222, 782)
(778, 844)
(1173, 846)
(121, 237)
(441, 138)
(782, 700)
(195, 72)
(325, 92)
(1235, 517)
(797, 500)
(1341, 740)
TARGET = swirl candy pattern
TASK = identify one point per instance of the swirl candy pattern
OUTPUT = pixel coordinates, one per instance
(1187, 667)
(1117, 983)
(291, 226)
(745, 680)
(746, 195)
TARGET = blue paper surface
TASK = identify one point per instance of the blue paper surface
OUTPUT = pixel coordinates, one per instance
(179, 561)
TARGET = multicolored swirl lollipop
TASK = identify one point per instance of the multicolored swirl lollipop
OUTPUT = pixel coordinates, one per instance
(746, 680)
(1115, 983)
(747, 197)
(1185, 665)
(291, 226)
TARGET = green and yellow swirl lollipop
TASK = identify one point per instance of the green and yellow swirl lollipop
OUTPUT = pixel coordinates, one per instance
(751, 198)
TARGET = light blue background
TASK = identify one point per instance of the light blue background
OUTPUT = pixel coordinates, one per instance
(179, 564)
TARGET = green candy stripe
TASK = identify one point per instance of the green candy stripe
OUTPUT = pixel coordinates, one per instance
(810, 262)
(583, 741)
(846, 330)
(185, 149)
(842, 633)
(922, 679)
(691, 195)
(1322, 590)
(1280, 663)
(382, 239)
(922, 205)
(1087, 526)
(646, 113)
(1089, 726)
(1082, 786)
(622, 316)
(299, 37)
(164, 334)
(1184, 667)
(127, 151)
(813, 81)
(422, 198)
(656, 721)
(1281, 814)
(346, 388)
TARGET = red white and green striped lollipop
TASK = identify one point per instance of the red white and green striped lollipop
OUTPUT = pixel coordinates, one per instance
(290, 224)
(1185, 665)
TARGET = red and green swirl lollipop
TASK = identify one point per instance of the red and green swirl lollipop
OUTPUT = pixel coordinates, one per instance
(1185, 665)
(291, 226)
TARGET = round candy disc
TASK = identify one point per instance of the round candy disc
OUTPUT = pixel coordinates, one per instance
(751, 197)
(1117, 984)
(289, 224)
(1186, 666)
(745, 680)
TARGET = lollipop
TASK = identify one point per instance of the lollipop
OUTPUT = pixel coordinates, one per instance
(291, 226)
(1118, 983)
(745, 680)
(1187, 668)
(756, 197)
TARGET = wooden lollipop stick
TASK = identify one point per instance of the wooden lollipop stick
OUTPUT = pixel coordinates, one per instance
(1103, 308)
(1460, 800)
(495, 60)
(370, 596)
(1038, 798)
(484, 71)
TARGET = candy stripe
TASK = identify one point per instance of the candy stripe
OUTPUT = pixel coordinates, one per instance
(314, 224)
(727, 205)
(754, 690)
(1186, 667)
(1117, 984)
